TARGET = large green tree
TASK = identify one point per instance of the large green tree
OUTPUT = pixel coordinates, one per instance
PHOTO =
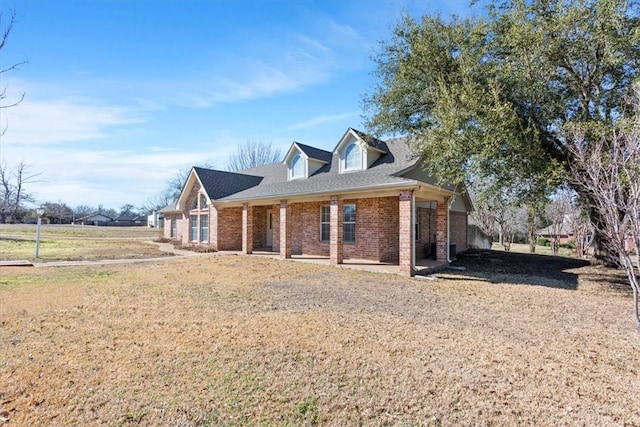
(489, 99)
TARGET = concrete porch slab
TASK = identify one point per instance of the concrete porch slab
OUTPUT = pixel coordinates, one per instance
(423, 266)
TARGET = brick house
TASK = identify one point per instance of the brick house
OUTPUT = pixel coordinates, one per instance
(367, 199)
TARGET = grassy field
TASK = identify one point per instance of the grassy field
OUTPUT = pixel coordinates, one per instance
(230, 340)
(67, 242)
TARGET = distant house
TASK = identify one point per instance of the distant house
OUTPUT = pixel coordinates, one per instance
(367, 199)
(95, 219)
(129, 220)
(155, 219)
(563, 232)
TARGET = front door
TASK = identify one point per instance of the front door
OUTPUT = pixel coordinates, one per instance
(269, 229)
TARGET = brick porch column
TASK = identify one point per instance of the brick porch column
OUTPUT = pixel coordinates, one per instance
(247, 229)
(285, 229)
(441, 230)
(336, 211)
(405, 232)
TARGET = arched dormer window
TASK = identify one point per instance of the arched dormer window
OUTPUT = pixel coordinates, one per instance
(297, 167)
(353, 157)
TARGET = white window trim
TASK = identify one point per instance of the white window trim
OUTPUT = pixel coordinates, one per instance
(191, 228)
(204, 237)
(304, 167)
(325, 222)
(355, 209)
(343, 158)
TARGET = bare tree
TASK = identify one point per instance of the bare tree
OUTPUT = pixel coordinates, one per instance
(13, 194)
(581, 226)
(83, 210)
(58, 213)
(5, 31)
(172, 190)
(252, 154)
(557, 214)
(484, 217)
(609, 169)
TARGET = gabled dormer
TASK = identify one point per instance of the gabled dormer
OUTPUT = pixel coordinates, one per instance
(303, 161)
(358, 151)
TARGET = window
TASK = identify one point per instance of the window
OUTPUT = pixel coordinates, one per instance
(204, 228)
(174, 227)
(352, 157)
(417, 227)
(349, 224)
(193, 222)
(297, 167)
(203, 201)
(194, 203)
(325, 223)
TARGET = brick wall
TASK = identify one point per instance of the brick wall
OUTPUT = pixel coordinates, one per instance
(260, 226)
(275, 209)
(166, 231)
(427, 232)
(458, 230)
(230, 229)
(376, 229)
(182, 229)
(368, 222)
(388, 229)
(213, 228)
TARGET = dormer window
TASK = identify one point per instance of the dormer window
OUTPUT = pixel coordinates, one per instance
(353, 157)
(297, 167)
(357, 151)
(303, 161)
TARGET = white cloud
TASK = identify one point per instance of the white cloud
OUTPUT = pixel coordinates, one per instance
(37, 121)
(321, 120)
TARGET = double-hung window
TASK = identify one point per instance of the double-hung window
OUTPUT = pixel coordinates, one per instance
(174, 227)
(193, 223)
(349, 224)
(325, 223)
(204, 228)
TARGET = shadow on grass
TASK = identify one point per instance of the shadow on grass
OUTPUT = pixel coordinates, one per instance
(517, 268)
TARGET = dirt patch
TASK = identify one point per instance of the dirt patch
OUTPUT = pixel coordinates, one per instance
(231, 340)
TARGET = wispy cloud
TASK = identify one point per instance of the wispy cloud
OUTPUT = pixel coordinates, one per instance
(46, 121)
(106, 177)
(321, 120)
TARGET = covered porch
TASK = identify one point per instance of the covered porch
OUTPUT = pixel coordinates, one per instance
(390, 231)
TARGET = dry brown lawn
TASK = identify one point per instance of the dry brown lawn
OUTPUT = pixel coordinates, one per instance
(231, 340)
(77, 243)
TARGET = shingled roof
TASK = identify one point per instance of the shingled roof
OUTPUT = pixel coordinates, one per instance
(219, 184)
(396, 166)
(386, 171)
(315, 153)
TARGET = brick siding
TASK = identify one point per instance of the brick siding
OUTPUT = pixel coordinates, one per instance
(229, 229)
(458, 230)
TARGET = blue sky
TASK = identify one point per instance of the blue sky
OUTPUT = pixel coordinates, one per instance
(121, 94)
